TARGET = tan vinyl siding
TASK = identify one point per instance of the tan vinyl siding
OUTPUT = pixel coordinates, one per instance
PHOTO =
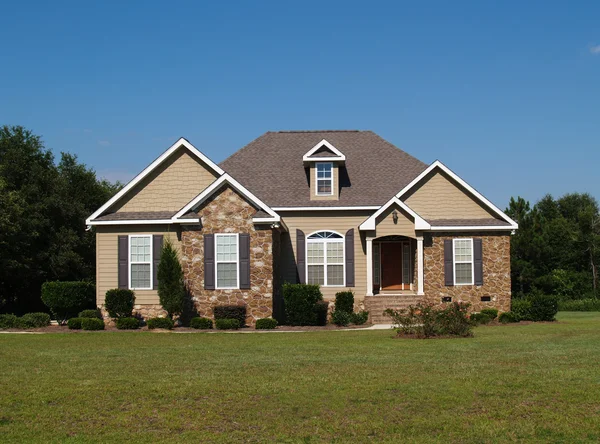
(170, 186)
(385, 225)
(339, 221)
(336, 183)
(107, 257)
(439, 197)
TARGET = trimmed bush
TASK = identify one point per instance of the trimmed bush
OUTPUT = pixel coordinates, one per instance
(481, 318)
(521, 308)
(227, 324)
(543, 307)
(119, 303)
(201, 323)
(127, 323)
(90, 314)
(66, 299)
(34, 320)
(359, 318)
(577, 305)
(491, 312)
(344, 301)
(165, 323)
(341, 318)
(7, 321)
(92, 324)
(321, 310)
(508, 317)
(300, 304)
(74, 323)
(231, 312)
(266, 324)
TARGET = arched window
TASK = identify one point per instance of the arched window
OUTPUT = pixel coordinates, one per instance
(325, 259)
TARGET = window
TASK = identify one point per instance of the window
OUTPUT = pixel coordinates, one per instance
(140, 262)
(324, 178)
(463, 261)
(325, 259)
(227, 260)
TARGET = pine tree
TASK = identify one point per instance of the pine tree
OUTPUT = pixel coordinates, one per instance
(171, 288)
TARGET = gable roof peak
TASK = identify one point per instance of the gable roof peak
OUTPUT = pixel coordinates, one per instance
(324, 144)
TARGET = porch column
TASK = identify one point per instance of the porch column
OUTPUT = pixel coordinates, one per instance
(420, 265)
(369, 266)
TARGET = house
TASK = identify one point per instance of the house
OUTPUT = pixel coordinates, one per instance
(342, 209)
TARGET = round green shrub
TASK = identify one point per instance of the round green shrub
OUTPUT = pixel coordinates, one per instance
(66, 299)
(227, 324)
(344, 301)
(521, 308)
(266, 324)
(201, 323)
(119, 302)
(300, 303)
(543, 307)
(74, 323)
(341, 318)
(7, 321)
(508, 317)
(231, 312)
(359, 318)
(90, 314)
(34, 320)
(481, 318)
(491, 312)
(127, 323)
(165, 323)
(92, 324)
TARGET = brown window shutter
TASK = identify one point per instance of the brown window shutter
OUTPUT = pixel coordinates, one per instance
(123, 262)
(209, 261)
(349, 241)
(301, 256)
(478, 261)
(157, 245)
(244, 248)
(448, 263)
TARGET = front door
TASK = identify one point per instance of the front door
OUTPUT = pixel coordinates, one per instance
(391, 266)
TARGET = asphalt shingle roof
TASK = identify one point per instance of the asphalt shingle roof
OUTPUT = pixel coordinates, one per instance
(137, 215)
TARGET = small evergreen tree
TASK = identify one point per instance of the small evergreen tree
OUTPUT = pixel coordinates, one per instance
(171, 288)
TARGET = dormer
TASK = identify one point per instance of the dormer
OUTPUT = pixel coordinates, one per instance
(324, 162)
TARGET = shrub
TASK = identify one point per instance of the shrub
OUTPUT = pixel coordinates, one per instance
(90, 314)
(543, 307)
(577, 305)
(521, 308)
(165, 323)
(321, 311)
(266, 324)
(425, 321)
(34, 320)
(341, 318)
(201, 323)
(127, 323)
(300, 301)
(231, 312)
(227, 324)
(7, 321)
(66, 299)
(74, 323)
(119, 303)
(171, 288)
(344, 301)
(508, 317)
(491, 312)
(92, 324)
(481, 318)
(454, 321)
(359, 318)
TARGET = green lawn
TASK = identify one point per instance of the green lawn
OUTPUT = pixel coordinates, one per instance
(509, 383)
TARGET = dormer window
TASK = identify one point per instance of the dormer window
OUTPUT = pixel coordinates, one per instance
(324, 178)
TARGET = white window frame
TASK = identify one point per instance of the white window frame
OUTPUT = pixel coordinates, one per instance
(472, 261)
(324, 264)
(317, 178)
(130, 263)
(237, 262)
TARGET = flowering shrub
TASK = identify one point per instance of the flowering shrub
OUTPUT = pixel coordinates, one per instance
(426, 321)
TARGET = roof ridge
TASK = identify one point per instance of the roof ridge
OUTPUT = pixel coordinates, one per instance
(319, 131)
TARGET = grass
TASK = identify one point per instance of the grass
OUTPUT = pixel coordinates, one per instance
(537, 382)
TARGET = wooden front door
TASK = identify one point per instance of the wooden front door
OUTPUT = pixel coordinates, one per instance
(391, 265)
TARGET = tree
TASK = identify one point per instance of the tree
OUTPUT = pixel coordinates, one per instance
(171, 287)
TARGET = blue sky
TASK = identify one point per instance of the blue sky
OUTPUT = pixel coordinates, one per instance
(507, 94)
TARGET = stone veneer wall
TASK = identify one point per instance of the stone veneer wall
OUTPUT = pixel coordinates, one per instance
(496, 272)
(228, 212)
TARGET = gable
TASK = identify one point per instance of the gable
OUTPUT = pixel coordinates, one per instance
(438, 196)
(385, 225)
(169, 186)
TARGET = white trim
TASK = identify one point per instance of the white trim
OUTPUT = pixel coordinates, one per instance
(264, 220)
(133, 222)
(226, 178)
(129, 263)
(472, 261)
(370, 266)
(181, 142)
(364, 207)
(371, 222)
(420, 270)
(237, 261)
(473, 191)
(324, 241)
(307, 157)
(473, 228)
(325, 178)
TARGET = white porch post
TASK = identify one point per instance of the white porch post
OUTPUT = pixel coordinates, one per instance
(369, 266)
(420, 273)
